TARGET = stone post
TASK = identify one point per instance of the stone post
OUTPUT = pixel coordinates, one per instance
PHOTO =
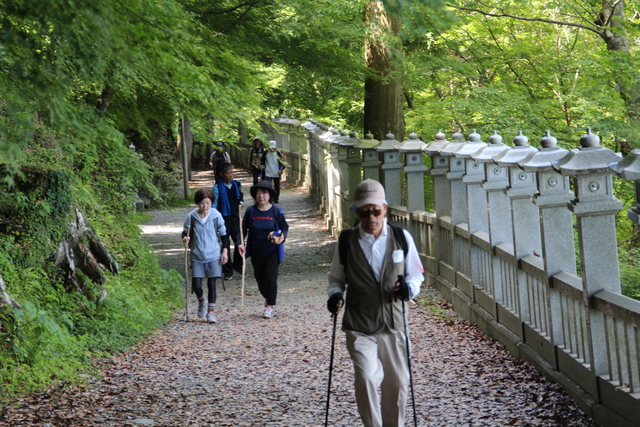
(595, 208)
(556, 232)
(500, 228)
(316, 162)
(468, 210)
(391, 169)
(305, 159)
(350, 176)
(276, 130)
(293, 167)
(414, 169)
(283, 134)
(334, 175)
(441, 192)
(450, 206)
(524, 220)
(370, 162)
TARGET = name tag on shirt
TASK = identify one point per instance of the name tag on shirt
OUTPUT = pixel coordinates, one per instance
(397, 256)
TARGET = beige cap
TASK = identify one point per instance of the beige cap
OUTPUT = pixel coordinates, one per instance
(369, 192)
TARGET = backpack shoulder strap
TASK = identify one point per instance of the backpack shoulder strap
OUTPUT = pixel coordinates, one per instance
(343, 246)
(398, 233)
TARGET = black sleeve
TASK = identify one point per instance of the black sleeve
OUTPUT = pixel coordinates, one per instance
(225, 242)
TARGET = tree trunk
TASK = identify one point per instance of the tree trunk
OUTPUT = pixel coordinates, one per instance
(187, 136)
(611, 19)
(383, 102)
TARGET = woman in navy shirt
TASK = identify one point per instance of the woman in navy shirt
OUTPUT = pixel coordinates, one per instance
(266, 229)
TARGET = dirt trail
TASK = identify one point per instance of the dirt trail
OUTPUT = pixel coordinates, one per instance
(250, 371)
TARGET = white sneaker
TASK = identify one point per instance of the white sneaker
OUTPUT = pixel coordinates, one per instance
(268, 312)
(211, 317)
(202, 309)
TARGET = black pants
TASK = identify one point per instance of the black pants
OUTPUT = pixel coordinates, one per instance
(232, 223)
(265, 270)
(196, 283)
(276, 186)
(256, 173)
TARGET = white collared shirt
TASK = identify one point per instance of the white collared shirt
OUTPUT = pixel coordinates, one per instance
(375, 250)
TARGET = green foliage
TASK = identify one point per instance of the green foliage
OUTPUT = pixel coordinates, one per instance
(630, 271)
(56, 334)
(489, 73)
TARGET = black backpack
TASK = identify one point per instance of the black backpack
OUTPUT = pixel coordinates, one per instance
(343, 242)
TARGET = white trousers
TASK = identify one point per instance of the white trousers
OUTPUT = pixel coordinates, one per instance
(380, 361)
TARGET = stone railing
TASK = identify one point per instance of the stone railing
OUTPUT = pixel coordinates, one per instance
(522, 242)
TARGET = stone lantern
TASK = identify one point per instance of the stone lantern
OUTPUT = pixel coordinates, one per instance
(521, 183)
(439, 168)
(556, 239)
(595, 208)
(499, 215)
(391, 169)
(414, 169)
(370, 162)
(496, 177)
(334, 179)
(350, 175)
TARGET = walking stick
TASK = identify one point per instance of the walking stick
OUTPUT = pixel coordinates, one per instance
(186, 278)
(244, 260)
(406, 337)
(333, 343)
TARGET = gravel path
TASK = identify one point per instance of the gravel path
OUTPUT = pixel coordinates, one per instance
(250, 371)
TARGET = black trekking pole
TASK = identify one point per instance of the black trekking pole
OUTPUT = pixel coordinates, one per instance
(406, 338)
(333, 342)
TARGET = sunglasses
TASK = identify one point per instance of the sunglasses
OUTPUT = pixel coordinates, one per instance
(369, 212)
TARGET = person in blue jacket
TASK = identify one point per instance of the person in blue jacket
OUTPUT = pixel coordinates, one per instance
(266, 229)
(203, 231)
(228, 199)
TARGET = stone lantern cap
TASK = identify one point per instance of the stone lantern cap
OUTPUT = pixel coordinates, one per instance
(465, 149)
(389, 144)
(546, 156)
(495, 148)
(335, 133)
(412, 144)
(591, 157)
(437, 144)
(351, 141)
(368, 143)
(329, 134)
(629, 167)
(518, 152)
(457, 141)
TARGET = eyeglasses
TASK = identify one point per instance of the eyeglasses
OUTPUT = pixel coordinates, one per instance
(369, 212)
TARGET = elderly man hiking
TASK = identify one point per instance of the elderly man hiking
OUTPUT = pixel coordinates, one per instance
(378, 266)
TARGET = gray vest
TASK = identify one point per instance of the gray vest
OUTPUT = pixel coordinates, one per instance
(371, 306)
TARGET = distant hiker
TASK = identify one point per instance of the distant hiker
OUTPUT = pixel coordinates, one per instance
(265, 228)
(255, 153)
(201, 231)
(227, 198)
(366, 264)
(272, 165)
(218, 158)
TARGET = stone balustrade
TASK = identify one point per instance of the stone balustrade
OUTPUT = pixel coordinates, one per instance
(521, 241)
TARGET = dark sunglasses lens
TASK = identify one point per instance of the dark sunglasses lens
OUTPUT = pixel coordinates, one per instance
(369, 212)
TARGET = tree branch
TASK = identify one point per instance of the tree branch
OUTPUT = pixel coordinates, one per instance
(523, 18)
